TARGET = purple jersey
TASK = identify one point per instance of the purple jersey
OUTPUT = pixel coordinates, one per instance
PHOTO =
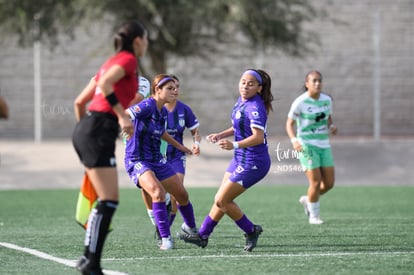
(245, 116)
(180, 118)
(149, 126)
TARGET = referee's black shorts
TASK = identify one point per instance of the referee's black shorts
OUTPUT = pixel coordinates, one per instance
(94, 139)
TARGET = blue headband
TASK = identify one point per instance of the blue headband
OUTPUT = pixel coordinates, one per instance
(164, 80)
(255, 74)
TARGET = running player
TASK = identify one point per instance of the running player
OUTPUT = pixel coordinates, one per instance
(180, 117)
(311, 112)
(251, 160)
(145, 164)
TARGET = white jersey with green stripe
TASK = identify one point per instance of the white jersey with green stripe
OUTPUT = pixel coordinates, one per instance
(311, 116)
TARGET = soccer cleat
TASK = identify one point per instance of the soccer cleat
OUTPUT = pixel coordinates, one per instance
(82, 263)
(304, 201)
(190, 235)
(251, 239)
(188, 230)
(315, 220)
(167, 243)
(83, 267)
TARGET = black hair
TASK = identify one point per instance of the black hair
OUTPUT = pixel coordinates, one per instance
(266, 92)
(126, 34)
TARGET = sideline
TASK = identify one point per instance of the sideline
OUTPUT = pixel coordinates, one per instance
(46, 256)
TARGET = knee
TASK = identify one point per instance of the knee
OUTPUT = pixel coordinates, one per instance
(158, 195)
(315, 185)
(181, 197)
(330, 184)
(220, 203)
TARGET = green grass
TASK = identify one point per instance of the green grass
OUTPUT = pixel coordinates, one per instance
(367, 230)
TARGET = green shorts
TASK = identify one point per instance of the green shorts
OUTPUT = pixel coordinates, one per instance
(315, 157)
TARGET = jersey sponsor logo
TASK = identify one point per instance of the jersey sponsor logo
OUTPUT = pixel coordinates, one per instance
(238, 115)
(318, 130)
(255, 114)
(318, 109)
(157, 132)
(136, 109)
(320, 116)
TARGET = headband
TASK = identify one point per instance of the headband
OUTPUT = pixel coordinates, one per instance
(164, 80)
(256, 75)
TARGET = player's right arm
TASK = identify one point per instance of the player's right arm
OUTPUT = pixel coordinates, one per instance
(83, 98)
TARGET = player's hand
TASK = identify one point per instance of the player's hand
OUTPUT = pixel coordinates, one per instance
(127, 128)
(196, 149)
(186, 150)
(213, 138)
(297, 146)
(225, 144)
(333, 129)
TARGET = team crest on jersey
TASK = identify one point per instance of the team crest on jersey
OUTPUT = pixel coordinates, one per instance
(136, 109)
(238, 115)
(181, 122)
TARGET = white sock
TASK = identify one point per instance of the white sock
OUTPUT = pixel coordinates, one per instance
(313, 209)
(151, 216)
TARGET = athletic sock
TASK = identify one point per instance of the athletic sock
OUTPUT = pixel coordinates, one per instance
(187, 212)
(151, 216)
(98, 225)
(207, 227)
(161, 218)
(313, 209)
(245, 224)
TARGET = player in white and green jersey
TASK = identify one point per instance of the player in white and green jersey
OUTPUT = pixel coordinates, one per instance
(311, 112)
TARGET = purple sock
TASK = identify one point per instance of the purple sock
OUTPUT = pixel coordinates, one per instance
(187, 212)
(172, 218)
(245, 224)
(207, 227)
(161, 218)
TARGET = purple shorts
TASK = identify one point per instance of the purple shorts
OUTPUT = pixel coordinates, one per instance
(162, 170)
(248, 174)
(178, 164)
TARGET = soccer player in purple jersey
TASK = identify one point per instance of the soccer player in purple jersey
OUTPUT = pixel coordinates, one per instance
(145, 164)
(180, 117)
(251, 160)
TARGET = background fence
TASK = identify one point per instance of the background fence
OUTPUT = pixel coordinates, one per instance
(366, 57)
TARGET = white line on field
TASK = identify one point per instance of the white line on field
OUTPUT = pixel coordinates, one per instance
(306, 255)
(221, 256)
(46, 256)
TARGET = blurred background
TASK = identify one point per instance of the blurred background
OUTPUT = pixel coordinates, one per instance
(364, 49)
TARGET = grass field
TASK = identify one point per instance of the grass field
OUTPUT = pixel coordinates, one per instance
(367, 230)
